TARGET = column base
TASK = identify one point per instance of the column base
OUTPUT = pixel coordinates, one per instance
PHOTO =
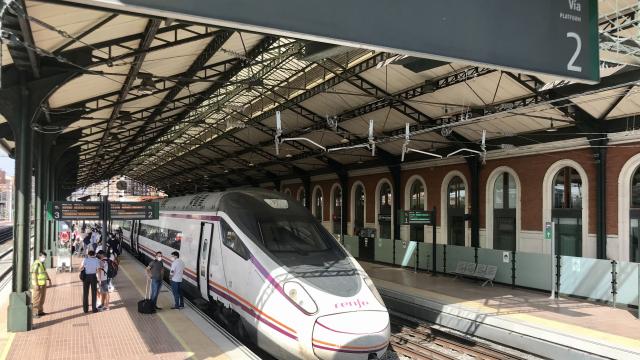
(19, 317)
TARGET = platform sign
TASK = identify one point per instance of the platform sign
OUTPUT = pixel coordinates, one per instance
(553, 37)
(134, 210)
(75, 210)
(416, 217)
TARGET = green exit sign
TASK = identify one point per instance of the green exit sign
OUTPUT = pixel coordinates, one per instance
(547, 230)
(416, 217)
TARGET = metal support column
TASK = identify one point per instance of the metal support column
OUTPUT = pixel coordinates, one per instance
(19, 313)
(38, 159)
(474, 167)
(600, 157)
(344, 185)
(397, 186)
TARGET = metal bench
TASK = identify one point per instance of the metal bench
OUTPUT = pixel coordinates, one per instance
(479, 271)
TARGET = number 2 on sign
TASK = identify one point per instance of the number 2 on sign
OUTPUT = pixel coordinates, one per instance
(570, 65)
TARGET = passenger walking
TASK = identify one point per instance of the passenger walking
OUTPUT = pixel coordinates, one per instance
(103, 281)
(155, 271)
(177, 269)
(90, 266)
(39, 279)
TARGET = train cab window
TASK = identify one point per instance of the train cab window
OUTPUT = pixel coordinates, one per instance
(231, 240)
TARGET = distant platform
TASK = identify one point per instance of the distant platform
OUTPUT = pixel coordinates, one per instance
(121, 332)
(567, 328)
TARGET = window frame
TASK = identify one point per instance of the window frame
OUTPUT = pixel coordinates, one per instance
(242, 250)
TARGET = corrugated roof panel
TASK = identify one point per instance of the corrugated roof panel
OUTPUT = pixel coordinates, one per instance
(163, 63)
(597, 104)
(630, 105)
(497, 87)
(383, 120)
(337, 99)
(290, 121)
(88, 85)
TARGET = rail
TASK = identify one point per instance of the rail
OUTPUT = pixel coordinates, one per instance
(420, 341)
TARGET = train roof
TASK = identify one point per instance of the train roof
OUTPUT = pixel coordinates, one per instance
(209, 201)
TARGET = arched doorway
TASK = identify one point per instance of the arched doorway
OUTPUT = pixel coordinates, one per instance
(416, 202)
(384, 211)
(317, 204)
(456, 201)
(634, 218)
(567, 211)
(302, 197)
(504, 212)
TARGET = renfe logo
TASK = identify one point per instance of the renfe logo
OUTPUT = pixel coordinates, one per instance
(359, 304)
(575, 5)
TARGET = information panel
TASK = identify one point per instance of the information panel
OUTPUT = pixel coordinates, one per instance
(75, 210)
(554, 37)
(134, 210)
(416, 217)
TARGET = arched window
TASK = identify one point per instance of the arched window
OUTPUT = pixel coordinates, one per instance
(416, 202)
(384, 211)
(302, 197)
(337, 210)
(634, 220)
(358, 219)
(504, 212)
(317, 205)
(287, 192)
(567, 211)
(457, 197)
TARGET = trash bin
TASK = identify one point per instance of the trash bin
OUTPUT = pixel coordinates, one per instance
(367, 244)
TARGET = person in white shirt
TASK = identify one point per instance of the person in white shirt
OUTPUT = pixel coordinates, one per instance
(177, 269)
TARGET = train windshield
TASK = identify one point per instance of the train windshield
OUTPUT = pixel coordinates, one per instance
(294, 239)
(292, 235)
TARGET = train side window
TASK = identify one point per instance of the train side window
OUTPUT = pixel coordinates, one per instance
(231, 240)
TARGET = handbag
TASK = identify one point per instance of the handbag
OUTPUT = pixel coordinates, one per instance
(83, 275)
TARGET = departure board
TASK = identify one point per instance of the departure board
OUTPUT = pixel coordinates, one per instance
(416, 217)
(76, 210)
(134, 210)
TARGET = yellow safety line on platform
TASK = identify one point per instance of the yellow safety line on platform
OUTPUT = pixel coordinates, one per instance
(7, 345)
(190, 353)
(569, 329)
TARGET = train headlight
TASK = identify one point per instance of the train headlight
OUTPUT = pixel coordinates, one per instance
(373, 289)
(300, 297)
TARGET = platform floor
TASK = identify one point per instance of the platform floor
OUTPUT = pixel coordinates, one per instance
(119, 333)
(593, 321)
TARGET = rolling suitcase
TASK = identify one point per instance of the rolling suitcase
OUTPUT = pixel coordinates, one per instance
(145, 306)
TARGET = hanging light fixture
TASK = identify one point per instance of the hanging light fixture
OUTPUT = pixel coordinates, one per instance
(147, 86)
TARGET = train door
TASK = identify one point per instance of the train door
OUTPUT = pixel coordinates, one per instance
(235, 257)
(216, 269)
(135, 230)
(204, 254)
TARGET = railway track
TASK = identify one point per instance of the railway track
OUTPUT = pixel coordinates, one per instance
(419, 341)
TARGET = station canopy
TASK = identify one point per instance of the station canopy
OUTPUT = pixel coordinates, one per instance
(188, 107)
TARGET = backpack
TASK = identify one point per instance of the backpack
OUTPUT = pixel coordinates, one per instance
(112, 268)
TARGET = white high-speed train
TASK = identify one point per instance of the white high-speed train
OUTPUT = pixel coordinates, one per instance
(272, 270)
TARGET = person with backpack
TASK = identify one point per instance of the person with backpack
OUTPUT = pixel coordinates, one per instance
(103, 281)
(90, 267)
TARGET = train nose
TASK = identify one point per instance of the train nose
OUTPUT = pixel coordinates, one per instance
(358, 335)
